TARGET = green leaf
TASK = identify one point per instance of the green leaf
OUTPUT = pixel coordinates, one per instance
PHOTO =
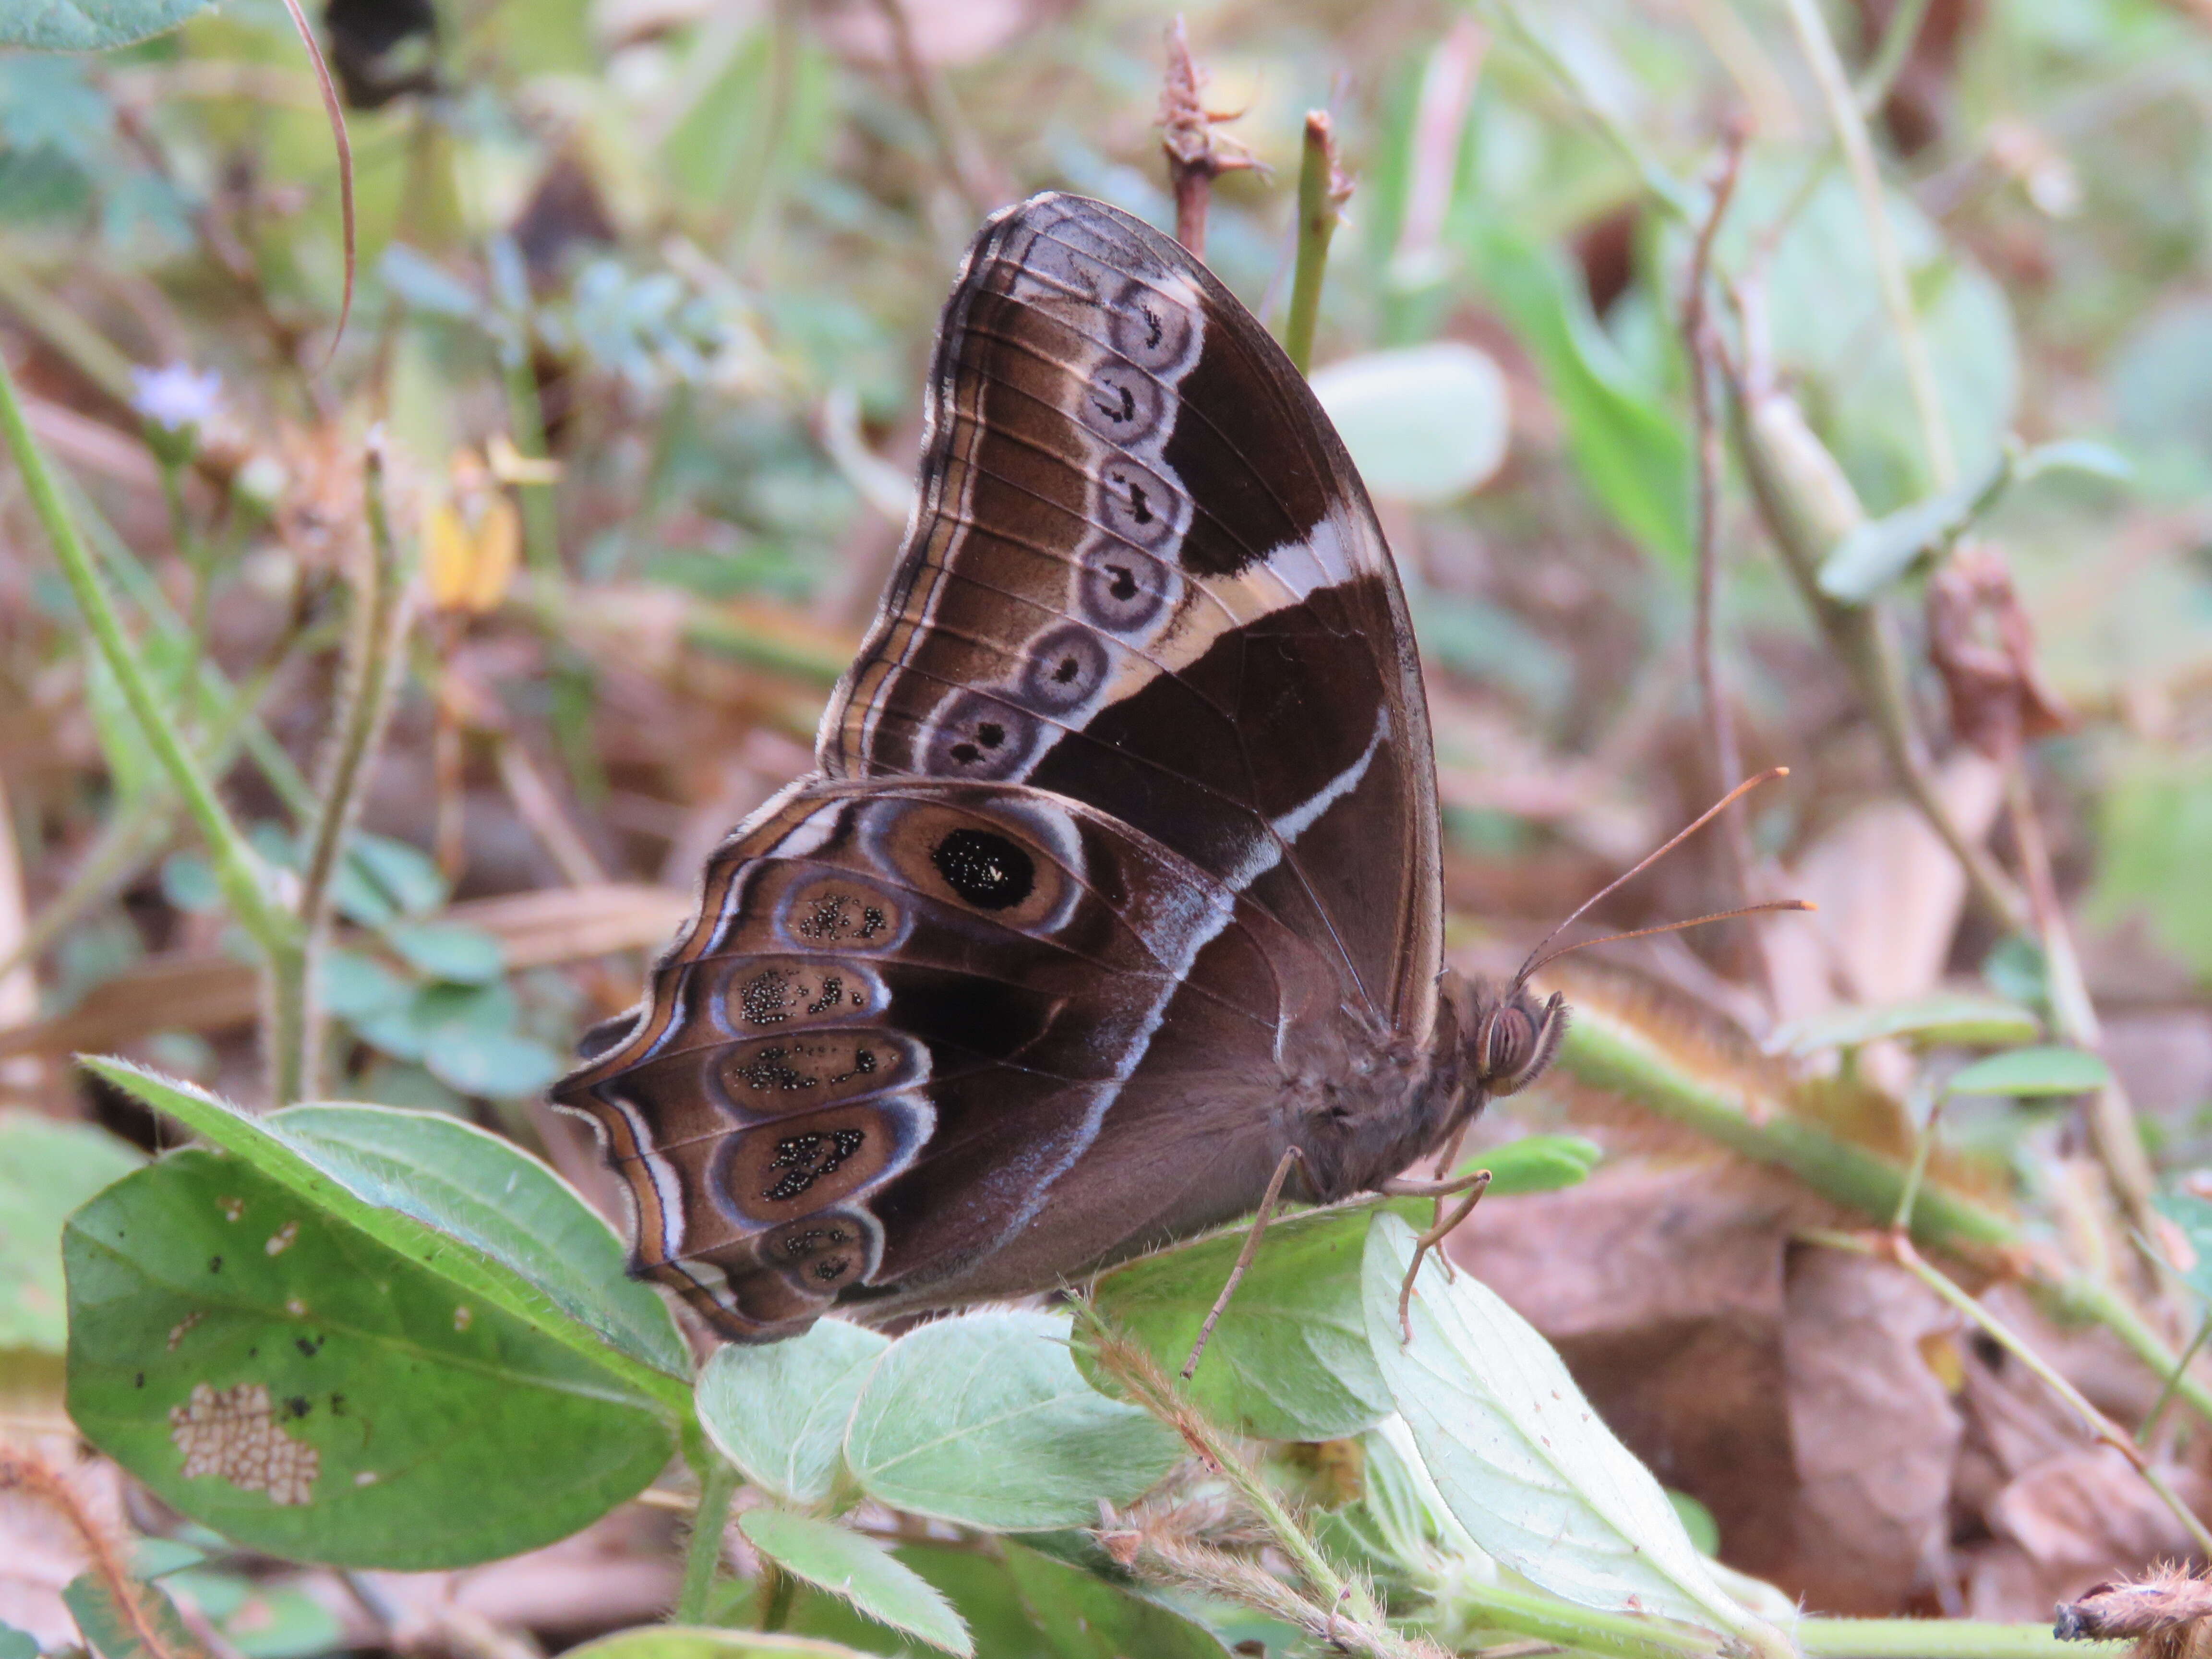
(435, 1011)
(89, 25)
(984, 1419)
(1520, 1458)
(2032, 1071)
(779, 1412)
(262, 1621)
(449, 951)
(1943, 1016)
(488, 1193)
(1630, 449)
(497, 1065)
(705, 1642)
(2193, 1215)
(406, 880)
(139, 1623)
(1290, 1359)
(862, 1571)
(2153, 826)
(357, 987)
(47, 1170)
(525, 1285)
(1426, 424)
(2099, 460)
(1880, 551)
(17, 1644)
(283, 1378)
(1536, 1163)
(1087, 1618)
(157, 1557)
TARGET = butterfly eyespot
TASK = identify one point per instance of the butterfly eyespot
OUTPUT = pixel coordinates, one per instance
(981, 736)
(1121, 590)
(841, 912)
(1065, 667)
(988, 870)
(1135, 504)
(806, 1158)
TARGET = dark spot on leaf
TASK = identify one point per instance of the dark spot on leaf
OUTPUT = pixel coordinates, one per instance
(337, 1405)
(141, 1383)
(215, 1264)
(297, 1406)
(308, 1346)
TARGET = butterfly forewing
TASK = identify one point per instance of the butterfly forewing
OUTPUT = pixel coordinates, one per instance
(1143, 572)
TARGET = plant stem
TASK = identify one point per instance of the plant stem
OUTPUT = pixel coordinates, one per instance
(703, 1557)
(238, 868)
(1851, 128)
(1698, 346)
(2173, 1381)
(526, 414)
(1133, 1367)
(1608, 1052)
(1583, 1630)
(373, 654)
(1322, 192)
(1890, 51)
(1939, 1638)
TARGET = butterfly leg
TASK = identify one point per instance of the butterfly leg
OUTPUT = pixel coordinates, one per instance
(1266, 1212)
(1473, 1187)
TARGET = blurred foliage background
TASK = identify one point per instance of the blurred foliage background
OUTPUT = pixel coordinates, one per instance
(645, 290)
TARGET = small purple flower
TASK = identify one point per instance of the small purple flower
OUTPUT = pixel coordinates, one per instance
(177, 396)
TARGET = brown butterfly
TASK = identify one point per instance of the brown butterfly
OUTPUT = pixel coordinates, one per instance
(1117, 885)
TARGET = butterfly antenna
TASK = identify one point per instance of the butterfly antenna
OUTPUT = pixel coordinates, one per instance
(1536, 958)
(1673, 928)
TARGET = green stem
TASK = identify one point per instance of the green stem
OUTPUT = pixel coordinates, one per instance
(1322, 192)
(1583, 1630)
(703, 1557)
(374, 654)
(541, 523)
(1898, 34)
(1606, 1052)
(237, 868)
(1851, 135)
(1940, 1638)
(2173, 1381)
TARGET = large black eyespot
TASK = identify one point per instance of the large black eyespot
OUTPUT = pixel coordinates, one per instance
(989, 870)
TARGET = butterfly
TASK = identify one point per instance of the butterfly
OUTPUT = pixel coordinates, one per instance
(1116, 888)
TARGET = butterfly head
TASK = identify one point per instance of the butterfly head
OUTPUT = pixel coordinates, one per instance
(1515, 1037)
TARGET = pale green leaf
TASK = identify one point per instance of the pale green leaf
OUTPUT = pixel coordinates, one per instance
(1426, 424)
(1521, 1460)
(984, 1419)
(839, 1560)
(2049, 1070)
(779, 1412)
(1943, 1016)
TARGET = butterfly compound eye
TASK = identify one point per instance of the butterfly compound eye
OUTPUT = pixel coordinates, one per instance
(1508, 1045)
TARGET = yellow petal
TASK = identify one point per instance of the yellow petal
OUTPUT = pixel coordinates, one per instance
(498, 547)
(451, 557)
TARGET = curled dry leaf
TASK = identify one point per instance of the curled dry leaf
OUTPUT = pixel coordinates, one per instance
(1982, 644)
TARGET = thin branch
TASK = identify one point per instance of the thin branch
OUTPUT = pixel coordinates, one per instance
(344, 146)
(1195, 156)
(1322, 192)
(955, 152)
(374, 656)
(1851, 128)
(27, 1473)
(1698, 348)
